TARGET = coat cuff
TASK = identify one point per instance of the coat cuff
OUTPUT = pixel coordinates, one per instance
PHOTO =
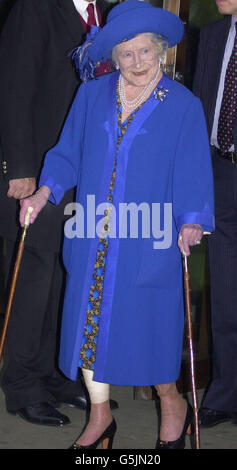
(205, 218)
(57, 192)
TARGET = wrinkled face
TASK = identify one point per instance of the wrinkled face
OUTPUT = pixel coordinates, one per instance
(227, 7)
(137, 59)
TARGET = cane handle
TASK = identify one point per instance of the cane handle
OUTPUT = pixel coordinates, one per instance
(27, 216)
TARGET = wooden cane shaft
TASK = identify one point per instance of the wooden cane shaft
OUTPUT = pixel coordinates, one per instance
(14, 279)
(11, 295)
(192, 368)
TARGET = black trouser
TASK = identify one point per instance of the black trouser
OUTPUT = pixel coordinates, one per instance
(30, 372)
(222, 393)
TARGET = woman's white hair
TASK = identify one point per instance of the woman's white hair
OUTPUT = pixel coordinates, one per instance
(161, 46)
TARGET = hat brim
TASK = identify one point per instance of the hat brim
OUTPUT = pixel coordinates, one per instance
(131, 23)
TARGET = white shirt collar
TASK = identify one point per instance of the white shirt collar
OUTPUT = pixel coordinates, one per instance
(81, 5)
(233, 21)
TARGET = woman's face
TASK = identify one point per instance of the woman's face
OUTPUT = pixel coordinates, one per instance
(138, 60)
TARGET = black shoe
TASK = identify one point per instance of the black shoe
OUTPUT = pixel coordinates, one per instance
(234, 419)
(180, 442)
(209, 418)
(42, 413)
(75, 402)
(113, 404)
(82, 403)
(106, 438)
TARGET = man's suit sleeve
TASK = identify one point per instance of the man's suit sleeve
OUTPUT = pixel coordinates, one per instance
(21, 59)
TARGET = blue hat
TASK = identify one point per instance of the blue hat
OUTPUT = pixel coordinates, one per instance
(132, 17)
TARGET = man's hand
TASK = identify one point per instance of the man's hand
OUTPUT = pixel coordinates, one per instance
(21, 187)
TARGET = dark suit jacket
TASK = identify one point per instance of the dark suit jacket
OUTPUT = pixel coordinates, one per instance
(37, 85)
(5, 7)
(208, 68)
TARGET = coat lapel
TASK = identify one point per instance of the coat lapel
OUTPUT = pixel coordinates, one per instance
(71, 19)
(216, 50)
(136, 126)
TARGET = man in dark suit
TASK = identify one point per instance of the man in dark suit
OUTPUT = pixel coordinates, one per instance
(216, 84)
(37, 86)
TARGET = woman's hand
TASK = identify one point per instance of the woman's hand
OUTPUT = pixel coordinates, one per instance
(37, 202)
(189, 235)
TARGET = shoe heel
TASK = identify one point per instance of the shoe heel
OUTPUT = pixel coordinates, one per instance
(107, 443)
(189, 430)
(192, 425)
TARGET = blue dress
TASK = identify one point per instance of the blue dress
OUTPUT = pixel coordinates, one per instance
(91, 328)
(163, 161)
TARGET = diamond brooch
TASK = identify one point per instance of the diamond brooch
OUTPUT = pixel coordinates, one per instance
(160, 93)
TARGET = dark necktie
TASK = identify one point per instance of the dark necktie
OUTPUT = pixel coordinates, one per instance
(91, 21)
(101, 67)
(229, 102)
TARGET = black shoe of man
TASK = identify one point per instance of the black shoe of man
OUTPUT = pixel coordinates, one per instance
(234, 419)
(209, 418)
(42, 413)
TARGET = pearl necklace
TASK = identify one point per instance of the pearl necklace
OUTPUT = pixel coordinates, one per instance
(129, 105)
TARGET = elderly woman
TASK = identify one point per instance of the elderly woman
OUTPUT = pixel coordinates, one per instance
(134, 136)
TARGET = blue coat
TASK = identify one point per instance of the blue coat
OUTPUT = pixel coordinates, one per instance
(163, 158)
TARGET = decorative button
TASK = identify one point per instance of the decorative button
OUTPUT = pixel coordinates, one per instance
(4, 167)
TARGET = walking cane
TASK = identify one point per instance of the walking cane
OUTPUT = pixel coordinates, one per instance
(14, 279)
(187, 291)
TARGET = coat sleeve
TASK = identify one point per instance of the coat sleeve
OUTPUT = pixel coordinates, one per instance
(21, 59)
(62, 163)
(193, 194)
